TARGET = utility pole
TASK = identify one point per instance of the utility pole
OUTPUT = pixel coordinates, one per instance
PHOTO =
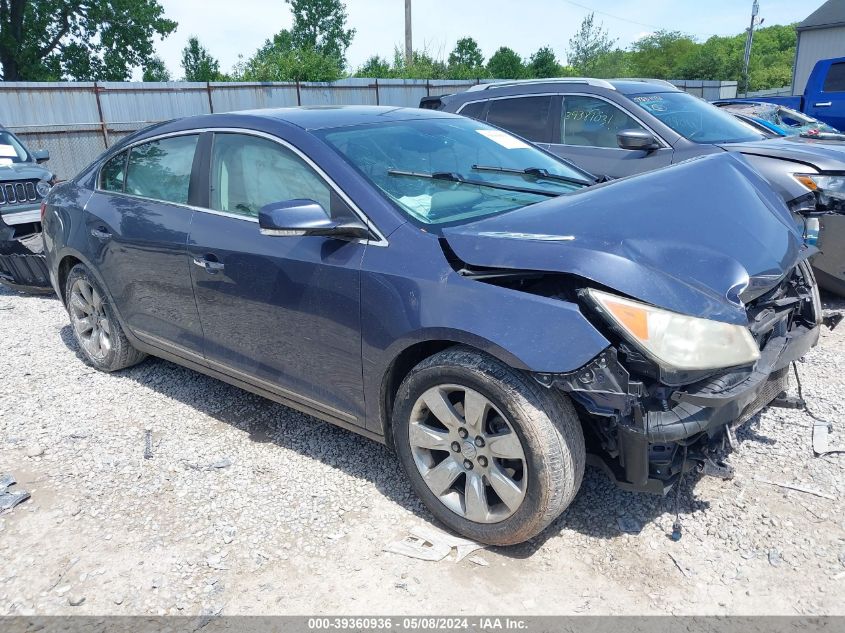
(409, 48)
(749, 39)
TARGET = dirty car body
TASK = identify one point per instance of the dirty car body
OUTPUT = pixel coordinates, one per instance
(451, 246)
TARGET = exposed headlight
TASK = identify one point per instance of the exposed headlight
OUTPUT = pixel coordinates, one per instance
(678, 341)
(828, 188)
(43, 188)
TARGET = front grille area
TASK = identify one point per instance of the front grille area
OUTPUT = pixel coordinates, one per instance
(793, 301)
(19, 192)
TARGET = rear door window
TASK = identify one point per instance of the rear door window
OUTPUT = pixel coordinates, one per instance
(113, 173)
(593, 122)
(835, 80)
(529, 117)
(161, 169)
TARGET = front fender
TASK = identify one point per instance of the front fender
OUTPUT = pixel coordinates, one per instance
(411, 295)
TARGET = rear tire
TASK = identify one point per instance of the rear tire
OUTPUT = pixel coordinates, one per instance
(96, 329)
(493, 455)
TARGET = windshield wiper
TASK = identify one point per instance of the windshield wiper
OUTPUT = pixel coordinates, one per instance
(452, 177)
(537, 172)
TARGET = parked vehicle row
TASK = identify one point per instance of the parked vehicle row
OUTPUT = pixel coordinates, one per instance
(623, 127)
(494, 313)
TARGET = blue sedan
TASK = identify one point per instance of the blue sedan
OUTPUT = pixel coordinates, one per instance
(440, 285)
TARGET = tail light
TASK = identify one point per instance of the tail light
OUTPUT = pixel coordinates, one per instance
(43, 209)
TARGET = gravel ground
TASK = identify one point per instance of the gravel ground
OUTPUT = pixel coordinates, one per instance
(249, 507)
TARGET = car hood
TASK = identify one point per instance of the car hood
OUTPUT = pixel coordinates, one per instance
(823, 155)
(23, 171)
(700, 238)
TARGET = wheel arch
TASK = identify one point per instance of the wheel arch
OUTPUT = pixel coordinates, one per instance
(412, 354)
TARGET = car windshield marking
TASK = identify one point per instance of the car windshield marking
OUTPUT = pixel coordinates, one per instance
(536, 172)
(456, 178)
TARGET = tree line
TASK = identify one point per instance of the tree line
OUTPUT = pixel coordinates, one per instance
(51, 40)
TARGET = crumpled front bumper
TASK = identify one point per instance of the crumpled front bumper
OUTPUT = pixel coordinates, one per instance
(639, 427)
(734, 397)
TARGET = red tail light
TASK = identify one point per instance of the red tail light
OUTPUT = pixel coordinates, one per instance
(43, 209)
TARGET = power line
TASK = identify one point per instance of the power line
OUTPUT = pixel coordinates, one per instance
(610, 15)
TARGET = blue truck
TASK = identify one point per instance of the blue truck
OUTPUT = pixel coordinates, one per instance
(824, 94)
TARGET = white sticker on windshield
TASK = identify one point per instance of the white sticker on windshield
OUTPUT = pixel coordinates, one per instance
(8, 151)
(5, 161)
(504, 139)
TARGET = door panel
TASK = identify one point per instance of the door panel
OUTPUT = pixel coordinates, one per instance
(829, 104)
(139, 245)
(587, 137)
(283, 311)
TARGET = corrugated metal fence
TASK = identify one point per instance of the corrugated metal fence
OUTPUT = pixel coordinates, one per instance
(77, 121)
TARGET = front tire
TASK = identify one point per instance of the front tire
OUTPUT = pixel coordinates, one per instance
(96, 329)
(493, 455)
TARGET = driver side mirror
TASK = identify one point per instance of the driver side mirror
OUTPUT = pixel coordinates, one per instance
(636, 140)
(41, 155)
(306, 217)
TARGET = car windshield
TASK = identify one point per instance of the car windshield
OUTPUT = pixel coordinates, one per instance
(790, 121)
(694, 119)
(11, 150)
(440, 171)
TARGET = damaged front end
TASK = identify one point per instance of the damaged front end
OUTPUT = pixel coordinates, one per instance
(645, 425)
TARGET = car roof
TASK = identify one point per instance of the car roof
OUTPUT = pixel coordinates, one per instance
(323, 117)
(626, 86)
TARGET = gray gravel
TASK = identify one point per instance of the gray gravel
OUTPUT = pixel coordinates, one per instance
(249, 507)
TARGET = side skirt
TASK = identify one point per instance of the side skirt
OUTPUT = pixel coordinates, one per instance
(252, 388)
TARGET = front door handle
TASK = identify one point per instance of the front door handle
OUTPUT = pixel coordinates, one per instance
(211, 266)
(101, 233)
(823, 104)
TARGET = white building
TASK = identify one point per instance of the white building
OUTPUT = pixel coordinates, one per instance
(820, 36)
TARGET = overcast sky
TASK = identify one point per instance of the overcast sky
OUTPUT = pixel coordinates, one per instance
(232, 27)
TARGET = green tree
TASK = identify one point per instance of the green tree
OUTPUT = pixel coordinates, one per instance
(78, 39)
(544, 63)
(198, 63)
(279, 60)
(314, 49)
(467, 53)
(506, 64)
(321, 25)
(155, 70)
(662, 54)
(588, 46)
(721, 58)
(616, 63)
(376, 67)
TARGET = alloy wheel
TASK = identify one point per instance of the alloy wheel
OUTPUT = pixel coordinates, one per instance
(468, 453)
(89, 319)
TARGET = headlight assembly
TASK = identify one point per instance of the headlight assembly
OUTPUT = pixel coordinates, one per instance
(677, 341)
(830, 189)
(42, 187)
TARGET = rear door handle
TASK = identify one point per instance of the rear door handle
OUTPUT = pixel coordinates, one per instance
(823, 104)
(210, 265)
(101, 233)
